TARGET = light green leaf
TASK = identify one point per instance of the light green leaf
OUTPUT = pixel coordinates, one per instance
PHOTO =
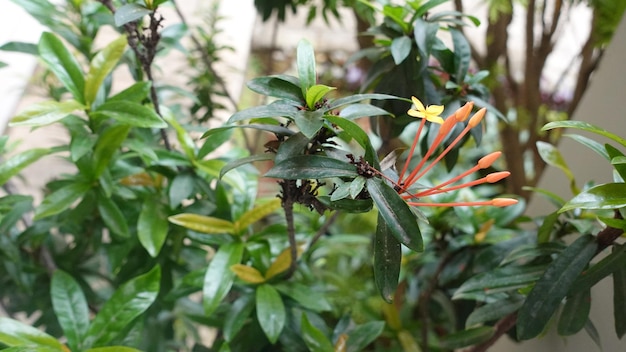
(400, 48)
(306, 65)
(16, 333)
(130, 12)
(313, 337)
(45, 113)
(306, 296)
(108, 143)
(113, 349)
(311, 167)
(101, 65)
(364, 334)
(315, 94)
(606, 196)
(18, 162)
(127, 303)
(270, 311)
(201, 223)
(70, 307)
(113, 217)
(219, 278)
(257, 213)
(152, 226)
(243, 161)
(551, 288)
(184, 139)
(61, 199)
(130, 113)
(237, 316)
(63, 64)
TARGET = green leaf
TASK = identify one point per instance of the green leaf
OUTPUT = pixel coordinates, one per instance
(606, 196)
(243, 161)
(108, 143)
(305, 59)
(257, 213)
(181, 188)
(101, 65)
(360, 97)
(113, 217)
(305, 296)
(61, 199)
(315, 94)
(348, 205)
(600, 270)
(500, 279)
(589, 143)
(270, 311)
(360, 136)
(364, 334)
(494, 311)
(311, 167)
(400, 220)
(584, 126)
(130, 12)
(400, 48)
(294, 146)
(31, 348)
(309, 122)
(214, 140)
(128, 302)
(387, 261)
(618, 160)
(619, 297)
(70, 308)
(113, 349)
(462, 54)
(201, 223)
(313, 337)
(529, 252)
(238, 315)
(591, 330)
(184, 139)
(20, 47)
(547, 226)
(551, 288)
(63, 64)
(152, 226)
(575, 313)
(45, 113)
(135, 93)
(276, 109)
(130, 113)
(18, 162)
(354, 111)
(467, 337)
(219, 278)
(551, 155)
(16, 333)
(279, 86)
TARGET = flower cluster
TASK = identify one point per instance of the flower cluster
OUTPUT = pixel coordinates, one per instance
(407, 179)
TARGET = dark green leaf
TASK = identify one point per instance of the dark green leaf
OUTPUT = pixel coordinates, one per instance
(348, 205)
(276, 129)
(500, 279)
(113, 217)
(213, 141)
(45, 113)
(584, 126)
(361, 110)
(127, 302)
(309, 122)
(152, 226)
(617, 160)
(494, 311)
(61, 199)
(575, 313)
(247, 160)
(270, 311)
(130, 113)
(313, 337)
(130, 12)
(360, 97)
(108, 143)
(279, 86)
(181, 188)
(16, 333)
(311, 167)
(400, 220)
(467, 337)
(619, 297)
(547, 226)
(551, 288)
(364, 334)
(237, 316)
(306, 65)
(600, 270)
(593, 333)
(63, 64)
(532, 251)
(276, 109)
(219, 278)
(101, 65)
(387, 261)
(292, 147)
(360, 136)
(305, 296)
(605, 196)
(400, 48)
(20, 47)
(70, 307)
(18, 162)
(462, 54)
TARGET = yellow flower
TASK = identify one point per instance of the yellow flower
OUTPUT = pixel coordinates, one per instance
(430, 113)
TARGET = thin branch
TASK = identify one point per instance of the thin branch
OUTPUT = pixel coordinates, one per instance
(288, 189)
(502, 326)
(322, 230)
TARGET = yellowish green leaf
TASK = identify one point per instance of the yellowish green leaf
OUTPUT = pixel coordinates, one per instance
(201, 223)
(247, 274)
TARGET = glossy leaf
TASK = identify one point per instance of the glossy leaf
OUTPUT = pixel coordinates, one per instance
(292, 147)
(247, 273)
(270, 311)
(605, 196)
(400, 220)
(129, 13)
(257, 213)
(619, 297)
(618, 160)
(237, 316)
(355, 111)
(108, 143)
(309, 122)
(387, 260)
(575, 313)
(70, 307)
(219, 278)
(551, 288)
(305, 60)
(135, 93)
(589, 143)
(311, 167)
(360, 136)
(201, 223)
(494, 311)
(349, 205)
(61, 199)
(128, 302)
(281, 263)
(101, 65)
(130, 113)
(113, 217)
(462, 54)
(63, 64)
(313, 337)
(13, 165)
(400, 49)
(45, 113)
(364, 334)
(584, 126)
(279, 86)
(16, 333)
(467, 337)
(276, 109)
(152, 226)
(551, 155)
(315, 94)
(306, 296)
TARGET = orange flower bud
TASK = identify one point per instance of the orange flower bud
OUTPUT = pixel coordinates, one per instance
(503, 202)
(496, 176)
(488, 159)
(478, 116)
(463, 112)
